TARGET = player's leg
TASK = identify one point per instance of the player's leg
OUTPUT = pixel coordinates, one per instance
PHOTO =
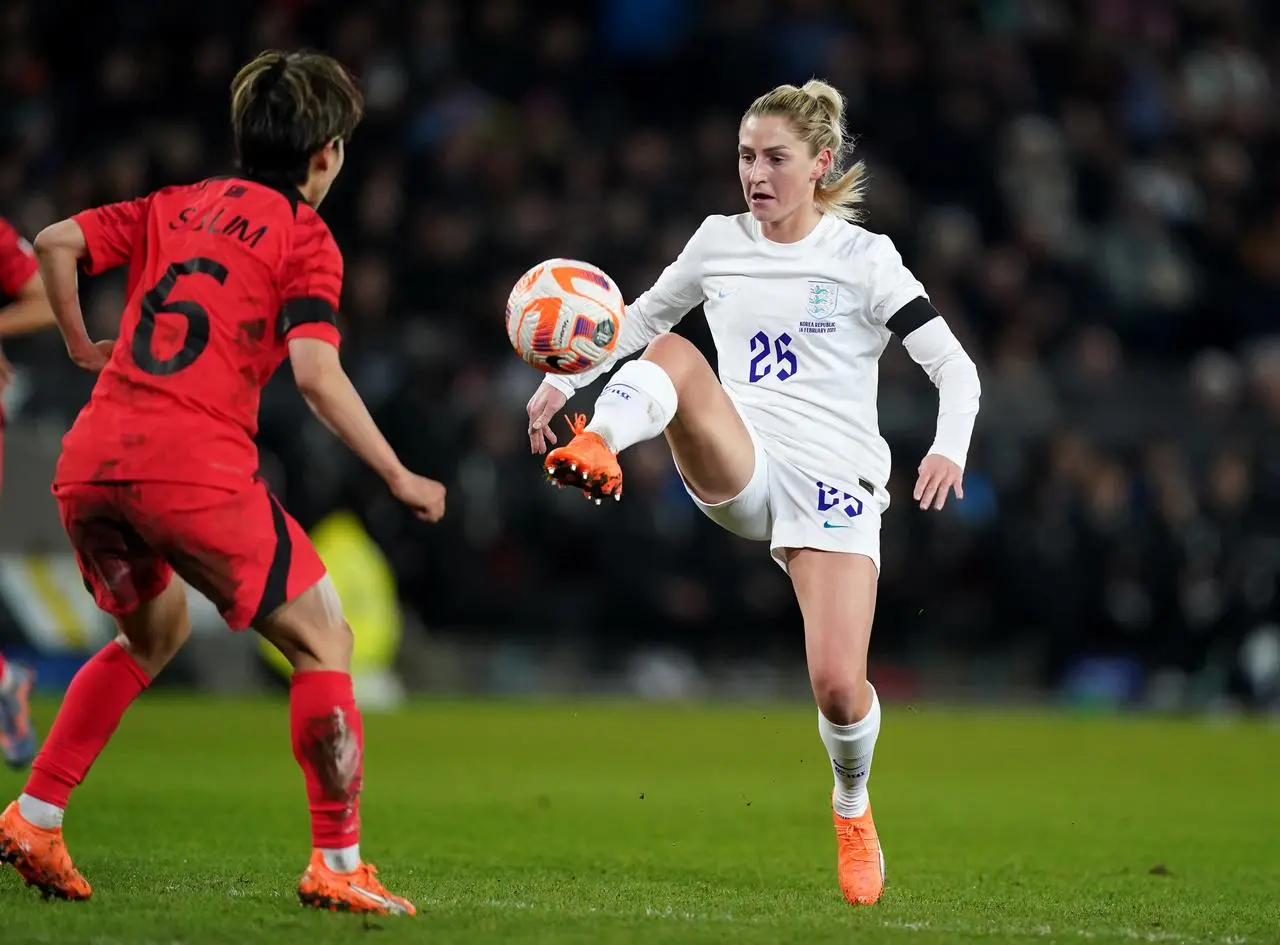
(670, 389)
(328, 743)
(266, 574)
(837, 595)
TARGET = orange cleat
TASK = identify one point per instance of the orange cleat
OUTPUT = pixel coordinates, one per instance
(357, 891)
(859, 859)
(586, 463)
(40, 856)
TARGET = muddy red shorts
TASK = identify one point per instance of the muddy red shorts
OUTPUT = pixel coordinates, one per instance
(239, 548)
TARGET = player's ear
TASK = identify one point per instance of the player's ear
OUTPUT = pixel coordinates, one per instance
(327, 157)
(822, 165)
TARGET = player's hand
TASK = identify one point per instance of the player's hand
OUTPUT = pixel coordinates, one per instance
(425, 496)
(938, 476)
(93, 358)
(543, 405)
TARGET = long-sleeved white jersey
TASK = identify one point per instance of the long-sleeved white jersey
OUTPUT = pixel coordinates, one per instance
(799, 329)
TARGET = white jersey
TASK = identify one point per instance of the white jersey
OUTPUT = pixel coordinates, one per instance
(799, 329)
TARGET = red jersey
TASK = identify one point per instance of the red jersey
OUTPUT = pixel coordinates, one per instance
(17, 262)
(222, 274)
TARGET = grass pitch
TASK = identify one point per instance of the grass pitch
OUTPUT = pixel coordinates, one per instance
(611, 822)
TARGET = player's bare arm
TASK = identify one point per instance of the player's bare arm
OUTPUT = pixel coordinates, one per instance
(59, 249)
(332, 397)
(29, 312)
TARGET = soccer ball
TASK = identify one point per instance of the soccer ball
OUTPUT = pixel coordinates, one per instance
(564, 316)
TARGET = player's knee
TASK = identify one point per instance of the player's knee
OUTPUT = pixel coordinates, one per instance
(841, 693)
(157, 630)
(675, 354)
(154, 651)
(311, 631)
(331, 645)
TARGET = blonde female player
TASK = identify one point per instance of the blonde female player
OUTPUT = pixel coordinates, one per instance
(785, 446)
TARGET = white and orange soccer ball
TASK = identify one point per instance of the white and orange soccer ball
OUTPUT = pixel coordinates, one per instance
(564, 316)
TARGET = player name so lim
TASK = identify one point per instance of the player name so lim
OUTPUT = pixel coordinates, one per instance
(220, 221)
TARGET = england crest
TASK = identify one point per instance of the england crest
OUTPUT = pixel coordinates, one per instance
(823, 299)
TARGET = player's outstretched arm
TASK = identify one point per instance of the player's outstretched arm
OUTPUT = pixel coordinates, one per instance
(59, 249)
(935, 348)
(334, 400)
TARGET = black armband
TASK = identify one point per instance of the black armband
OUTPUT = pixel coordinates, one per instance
(297, 312)
(919, 311)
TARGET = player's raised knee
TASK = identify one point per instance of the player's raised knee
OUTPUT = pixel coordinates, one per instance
(842, 693)
(676, 354)
(669, 345)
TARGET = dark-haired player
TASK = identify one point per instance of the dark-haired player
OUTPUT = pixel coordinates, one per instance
(23, 309)
(159, 473)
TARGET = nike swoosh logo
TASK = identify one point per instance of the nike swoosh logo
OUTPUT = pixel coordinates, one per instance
(829, 525)
(724, 295)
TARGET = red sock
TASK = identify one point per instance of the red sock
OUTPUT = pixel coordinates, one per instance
(91, 710)
(1, 666)
(328, 741)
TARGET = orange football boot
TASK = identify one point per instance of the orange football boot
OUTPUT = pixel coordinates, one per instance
(357, 891)
(586, 463)
(859, 859)
(40, 856)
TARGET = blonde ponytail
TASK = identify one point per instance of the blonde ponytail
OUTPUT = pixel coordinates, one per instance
(816, 113)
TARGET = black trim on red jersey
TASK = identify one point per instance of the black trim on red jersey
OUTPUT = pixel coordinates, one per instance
(917, 312)
(288, 192)
(306, 311)
(276, 589)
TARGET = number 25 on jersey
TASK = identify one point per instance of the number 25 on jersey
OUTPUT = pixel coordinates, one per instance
(771, 356)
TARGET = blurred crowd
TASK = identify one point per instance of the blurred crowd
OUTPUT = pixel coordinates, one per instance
(1090, 191)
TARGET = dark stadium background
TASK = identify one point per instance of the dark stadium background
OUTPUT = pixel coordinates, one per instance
(1089, 190)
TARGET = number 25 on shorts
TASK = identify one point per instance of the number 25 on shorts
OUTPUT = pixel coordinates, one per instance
(768, 354)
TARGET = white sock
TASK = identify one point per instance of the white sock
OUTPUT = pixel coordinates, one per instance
(346, 860)
(39, 813)
(850, 748)
(637, 405)
(8, 678)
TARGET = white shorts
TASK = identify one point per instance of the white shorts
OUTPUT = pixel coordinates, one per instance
(789, 508)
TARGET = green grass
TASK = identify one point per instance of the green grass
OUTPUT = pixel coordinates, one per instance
(610, 822)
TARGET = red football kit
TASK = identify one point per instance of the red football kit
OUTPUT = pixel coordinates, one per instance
(17, 267)
(159, 471)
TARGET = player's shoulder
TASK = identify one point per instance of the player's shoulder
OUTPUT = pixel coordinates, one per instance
(852, 241)
(719, 228)
(311, 234)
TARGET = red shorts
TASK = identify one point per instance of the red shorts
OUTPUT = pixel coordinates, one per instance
(239, 548)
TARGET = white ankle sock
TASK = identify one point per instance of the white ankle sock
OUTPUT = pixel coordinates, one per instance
(346, 860)
(637, 405)
(39, 813)
(850, 748)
